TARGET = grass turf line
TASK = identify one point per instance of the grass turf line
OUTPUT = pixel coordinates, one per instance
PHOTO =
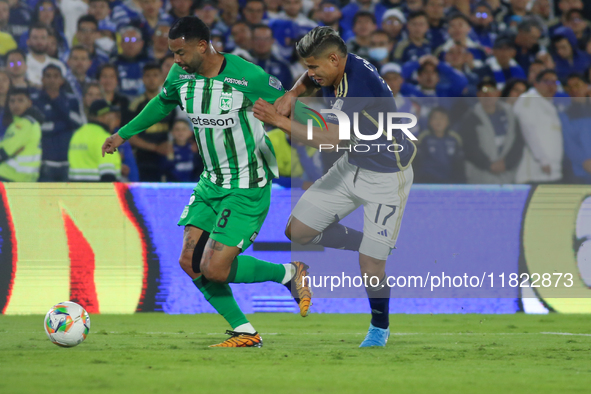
(158, 353)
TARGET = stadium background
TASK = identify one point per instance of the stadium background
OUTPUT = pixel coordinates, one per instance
(133, 265)
(58, 232)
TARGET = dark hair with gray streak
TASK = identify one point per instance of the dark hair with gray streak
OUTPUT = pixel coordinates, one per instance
(529, 22)
(318, 40)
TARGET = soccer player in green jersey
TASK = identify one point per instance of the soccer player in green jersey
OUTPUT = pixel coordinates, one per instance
(230, 202)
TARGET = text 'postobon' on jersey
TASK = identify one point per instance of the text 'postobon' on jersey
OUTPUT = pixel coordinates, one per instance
(235, 149)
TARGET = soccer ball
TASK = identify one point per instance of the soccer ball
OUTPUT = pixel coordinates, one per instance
(67, 324)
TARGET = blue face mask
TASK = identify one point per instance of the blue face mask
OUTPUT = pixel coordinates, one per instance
(378, 54)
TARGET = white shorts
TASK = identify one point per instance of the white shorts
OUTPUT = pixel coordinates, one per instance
(344, 188)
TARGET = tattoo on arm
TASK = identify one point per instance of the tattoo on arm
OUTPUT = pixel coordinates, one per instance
(190, 244)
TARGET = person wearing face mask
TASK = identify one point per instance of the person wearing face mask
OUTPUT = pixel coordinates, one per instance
(380, 48)
(20, 152)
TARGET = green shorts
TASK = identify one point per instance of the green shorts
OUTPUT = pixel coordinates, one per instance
(233, 217)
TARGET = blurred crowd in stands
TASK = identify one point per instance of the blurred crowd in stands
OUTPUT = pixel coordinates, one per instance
(73, 71)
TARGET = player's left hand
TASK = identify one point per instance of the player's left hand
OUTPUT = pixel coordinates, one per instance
(266, 112)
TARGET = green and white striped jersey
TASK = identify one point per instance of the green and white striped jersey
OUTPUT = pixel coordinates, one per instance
(235, 149)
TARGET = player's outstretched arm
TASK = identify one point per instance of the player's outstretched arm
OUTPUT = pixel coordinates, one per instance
(153, 112)
(268, 113)
(304, 86)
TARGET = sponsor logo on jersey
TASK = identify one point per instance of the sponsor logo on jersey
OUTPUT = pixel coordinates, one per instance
(186, 76)
(214, 121)
(275, 83)
(226, 101)
(165, 91)
(185, 212)
(241, 82)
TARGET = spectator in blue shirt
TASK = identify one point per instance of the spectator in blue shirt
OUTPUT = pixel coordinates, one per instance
(47, 14)
(125, 12)
(329, 14)
(4, 16)
(580, 26)
(206, 11)
(86, 35)
(459, 29)
(576, 129)
(151, 16)
(78, 64)
(108, 79)
(292, 10)
(181, 164)
(484, 26)
(527, 44)
(262, 51)
(253, 12)
(435, 10)
(20, 18)
(430, 71)
(364, 24)
(131, 62)
(102, 13)
(354, 7)
(180, 8)
(517, 13)
(440, 158)
(380, 48)
(564, 6)
(62, 117)
(569, 59)
(502, 66)
(159, 48)
(16, 66)
(393, 23)
(4, 88)
(416, 45)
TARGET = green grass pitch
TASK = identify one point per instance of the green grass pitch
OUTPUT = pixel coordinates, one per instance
(158, 353)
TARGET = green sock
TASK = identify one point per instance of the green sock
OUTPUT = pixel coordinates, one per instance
(219, 295)
(247, 269)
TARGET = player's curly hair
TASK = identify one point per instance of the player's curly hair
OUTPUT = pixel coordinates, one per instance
(318, 40)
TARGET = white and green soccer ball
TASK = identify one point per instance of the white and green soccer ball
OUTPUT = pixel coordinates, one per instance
(67, 324)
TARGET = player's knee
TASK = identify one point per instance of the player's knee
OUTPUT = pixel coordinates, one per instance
(213, 273)
(186, 260)
(292, 233)
(371, 266)
(288, 232)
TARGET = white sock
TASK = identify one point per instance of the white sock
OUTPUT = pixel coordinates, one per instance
(289, 273)
(246, 328)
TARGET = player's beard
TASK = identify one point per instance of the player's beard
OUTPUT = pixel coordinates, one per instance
(194, 66)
